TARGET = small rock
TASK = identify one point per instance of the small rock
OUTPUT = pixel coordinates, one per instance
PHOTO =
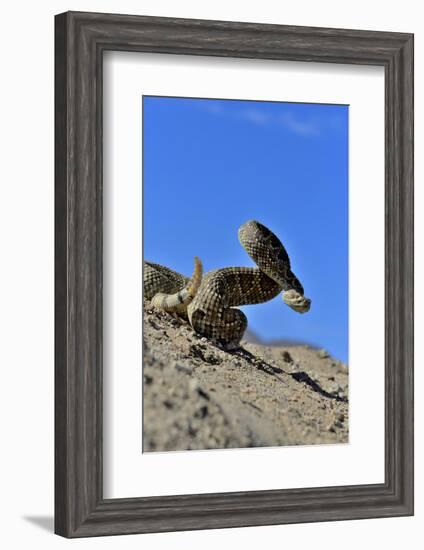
(194, 386)
(287, 357)
(197, 351)
(148, 379)
(184, 368)
(323, 353)
(173, 321)
(202, 412)
(213, 359)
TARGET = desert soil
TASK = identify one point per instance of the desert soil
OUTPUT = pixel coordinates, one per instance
(198, 396)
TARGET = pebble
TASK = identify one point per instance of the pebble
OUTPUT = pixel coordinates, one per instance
(184, 368)
(202, 412)
(323, 353)
(287, 357)
(173, 321)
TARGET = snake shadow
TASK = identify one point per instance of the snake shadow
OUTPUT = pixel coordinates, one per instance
(300, 376)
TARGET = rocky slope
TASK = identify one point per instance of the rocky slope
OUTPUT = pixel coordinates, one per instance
(198, 396)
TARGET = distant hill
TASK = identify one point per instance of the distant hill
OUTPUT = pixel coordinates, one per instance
(253, 338)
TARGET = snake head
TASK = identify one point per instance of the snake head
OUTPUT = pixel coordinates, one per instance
(296, 301)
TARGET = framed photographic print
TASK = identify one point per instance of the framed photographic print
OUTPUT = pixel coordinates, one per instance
(234, 274)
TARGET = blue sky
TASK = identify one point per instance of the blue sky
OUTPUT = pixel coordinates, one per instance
(210, 165)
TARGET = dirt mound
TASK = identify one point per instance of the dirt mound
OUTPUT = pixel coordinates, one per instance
(198, 396)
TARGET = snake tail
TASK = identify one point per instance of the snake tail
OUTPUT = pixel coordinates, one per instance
(180, 299)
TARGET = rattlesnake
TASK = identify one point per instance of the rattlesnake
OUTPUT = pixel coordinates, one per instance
(208, 302)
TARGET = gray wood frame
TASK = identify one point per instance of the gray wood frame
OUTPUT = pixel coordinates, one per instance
(80, 40)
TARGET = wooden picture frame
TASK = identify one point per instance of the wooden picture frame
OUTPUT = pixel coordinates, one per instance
(80, 40)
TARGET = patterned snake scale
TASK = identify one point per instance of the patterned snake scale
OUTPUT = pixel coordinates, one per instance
(208, 301)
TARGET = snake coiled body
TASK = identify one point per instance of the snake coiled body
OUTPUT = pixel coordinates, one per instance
(209, 302)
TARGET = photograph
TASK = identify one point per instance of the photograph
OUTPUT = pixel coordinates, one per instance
(245, 273)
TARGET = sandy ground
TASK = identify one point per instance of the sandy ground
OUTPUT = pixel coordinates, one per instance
(198, 396)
